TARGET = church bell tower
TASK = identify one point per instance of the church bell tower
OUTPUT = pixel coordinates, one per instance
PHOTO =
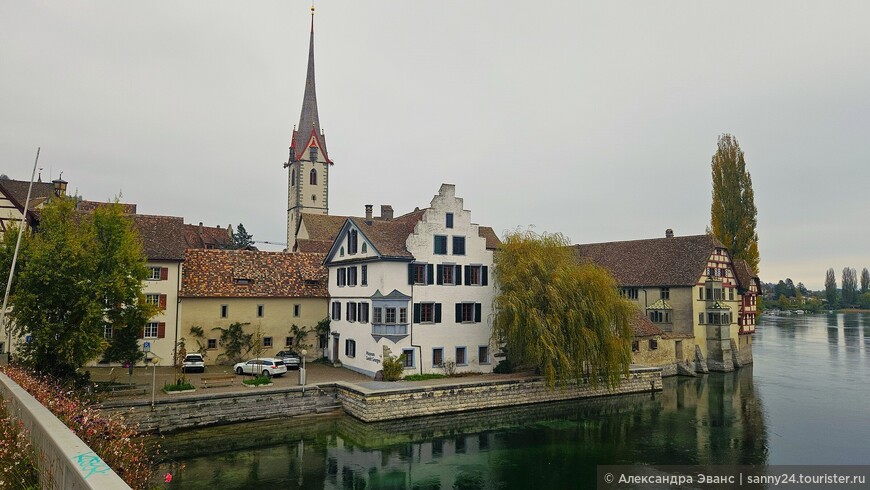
(308, 163)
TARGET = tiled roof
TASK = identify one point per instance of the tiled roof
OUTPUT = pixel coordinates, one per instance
(199, 236)
(313, 246)
(394, 294)
(322, 227)
(673, 261)
(660, 305)
(86, 206)
(390, 237)
(641, 326)
(162, 236)
(744, 274)
(16, 190)
(253, 274)
(492, 241)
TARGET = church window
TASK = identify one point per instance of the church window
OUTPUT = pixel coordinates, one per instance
(313, 179)
(293, 177)
(364, 248)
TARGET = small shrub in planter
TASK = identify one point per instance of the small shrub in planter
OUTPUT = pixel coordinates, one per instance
(179, 385)
(258, 381)
(393, 367)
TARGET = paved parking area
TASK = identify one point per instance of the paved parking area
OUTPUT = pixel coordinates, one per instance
(316, 373)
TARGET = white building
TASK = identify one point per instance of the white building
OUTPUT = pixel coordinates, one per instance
(418, 285)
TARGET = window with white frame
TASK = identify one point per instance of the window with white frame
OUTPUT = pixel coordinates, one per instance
(378, 316)
(154, 273)
(152, 299)
(151, 330)
(390, 315)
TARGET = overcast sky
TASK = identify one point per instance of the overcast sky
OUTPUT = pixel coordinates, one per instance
(594, 119)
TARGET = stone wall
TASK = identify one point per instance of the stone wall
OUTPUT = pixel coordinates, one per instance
(374, 405)
(193, 410)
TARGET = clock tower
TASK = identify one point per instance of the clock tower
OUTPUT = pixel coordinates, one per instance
(308, 163)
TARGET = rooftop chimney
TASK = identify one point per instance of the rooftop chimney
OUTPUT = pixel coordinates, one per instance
(386, 212)
(369, 213)
(669, 233)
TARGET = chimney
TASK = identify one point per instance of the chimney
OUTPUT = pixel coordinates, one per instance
(386, 212)
(669, 233)
(369, 213)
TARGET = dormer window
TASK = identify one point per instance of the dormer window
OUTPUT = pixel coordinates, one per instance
(243, 281)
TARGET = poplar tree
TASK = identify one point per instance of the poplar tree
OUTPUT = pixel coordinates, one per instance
(865, 280)
(733, 216)
(849, 287)
(555, 314)
(831, 287)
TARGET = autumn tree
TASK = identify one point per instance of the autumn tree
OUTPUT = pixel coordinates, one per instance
(831, 287)
(849, 286)
(78, 291)
(555, 314)
(865, 280)
(733, 216)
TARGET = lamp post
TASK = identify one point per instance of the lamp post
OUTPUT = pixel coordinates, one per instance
(303, 352)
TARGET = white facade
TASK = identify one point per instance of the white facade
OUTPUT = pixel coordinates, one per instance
(428, 297)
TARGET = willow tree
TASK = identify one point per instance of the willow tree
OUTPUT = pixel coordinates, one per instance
(555, 314)
(733, 216)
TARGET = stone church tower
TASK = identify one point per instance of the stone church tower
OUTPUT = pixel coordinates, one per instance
(308, 163)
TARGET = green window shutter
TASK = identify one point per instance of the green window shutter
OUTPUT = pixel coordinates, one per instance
(458, 312)
(416, 312)
(477, 312)
(437, 312)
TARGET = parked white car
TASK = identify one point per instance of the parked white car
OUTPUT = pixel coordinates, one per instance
(267, 366)
(193, 362)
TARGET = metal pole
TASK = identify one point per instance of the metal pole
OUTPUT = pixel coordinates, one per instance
(153, 380)
(15, 258)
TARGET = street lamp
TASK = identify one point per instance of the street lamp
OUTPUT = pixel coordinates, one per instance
(302, 369)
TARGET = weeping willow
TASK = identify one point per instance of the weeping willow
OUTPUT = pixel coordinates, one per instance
(558, 315)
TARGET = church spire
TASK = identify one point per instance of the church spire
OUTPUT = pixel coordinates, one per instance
(309, 121)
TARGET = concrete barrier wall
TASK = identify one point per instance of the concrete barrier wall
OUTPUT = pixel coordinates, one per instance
(375, 405)
(195, 410)
(65, 461)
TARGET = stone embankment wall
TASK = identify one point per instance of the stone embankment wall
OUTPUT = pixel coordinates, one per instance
(375, 405)
(195, 410)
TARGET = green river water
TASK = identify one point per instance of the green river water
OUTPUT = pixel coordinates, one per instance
(805, 400)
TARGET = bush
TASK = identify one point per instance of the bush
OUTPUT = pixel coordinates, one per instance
(258, 381)
(504, 367)
(394, 367)
(179, 385)
(17, 457)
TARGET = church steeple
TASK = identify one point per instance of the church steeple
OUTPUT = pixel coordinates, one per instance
(308, 132)
(308, 163)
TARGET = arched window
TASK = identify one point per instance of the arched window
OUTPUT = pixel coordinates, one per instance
(313, 176)
(293, 177)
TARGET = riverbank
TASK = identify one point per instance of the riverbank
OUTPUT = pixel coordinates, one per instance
(364, 399)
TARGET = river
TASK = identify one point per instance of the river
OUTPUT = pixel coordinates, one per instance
(804, 401)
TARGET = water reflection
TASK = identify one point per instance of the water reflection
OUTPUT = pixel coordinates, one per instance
(800, 403)
(717, 419)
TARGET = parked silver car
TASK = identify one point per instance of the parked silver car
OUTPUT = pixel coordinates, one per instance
(291, 359)
(267, 366)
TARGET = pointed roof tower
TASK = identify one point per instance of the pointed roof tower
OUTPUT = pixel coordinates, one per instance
(308, 132)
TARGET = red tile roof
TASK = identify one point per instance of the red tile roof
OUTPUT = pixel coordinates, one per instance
(199, 236)
(162, 236)
(744, 274)
(674, 261)
(85, 206)
(253, 274)
(641, 326)
(16, 191)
